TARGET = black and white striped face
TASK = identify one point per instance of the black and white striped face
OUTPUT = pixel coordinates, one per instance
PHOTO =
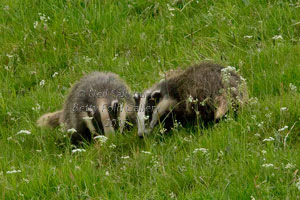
(147, 116)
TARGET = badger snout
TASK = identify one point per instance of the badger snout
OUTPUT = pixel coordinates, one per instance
(143, 133)
(141, 136)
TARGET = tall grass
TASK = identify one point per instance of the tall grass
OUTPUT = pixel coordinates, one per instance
(45, 46)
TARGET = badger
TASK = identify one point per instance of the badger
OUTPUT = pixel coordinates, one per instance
(205, 92)
(98, 103)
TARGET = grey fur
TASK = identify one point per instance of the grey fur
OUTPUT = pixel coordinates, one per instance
(201, 91)
(81, 109)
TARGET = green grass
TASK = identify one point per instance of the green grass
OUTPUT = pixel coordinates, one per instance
(138, 39)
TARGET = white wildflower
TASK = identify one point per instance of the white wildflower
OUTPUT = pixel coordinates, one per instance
(253, 100)
(77, 167)
(59, 155)
(263, 151)
(55, 74)
(107, 173)
(78, 150)
(24, 132)
(38, 150)
(226, 73)
(248, 36)
(6, 7)
(125, 157)
(220, 153)
(162, 130)
(203, 150)
(293, 87)
(35, 24)
(228, 69)
(154, 161)
(25, 180)
(190, 99)
(176, 124)
(268, 115)
(257, 134)
(282, 129)
(37, 108)
(267, 165)
(115, 57)
(283, 109)
(290, 166)
(87, 59)
(101, 138)
(277, 37)
(268, 139)
(112, 146)
(7, 68)
(172, 195)
(71, 130)
(186, 139)
(42, 83)
(170, 8)
(146, 152)
(13, 171)
(260, 125)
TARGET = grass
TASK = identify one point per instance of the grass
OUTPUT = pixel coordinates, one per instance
(137, 40)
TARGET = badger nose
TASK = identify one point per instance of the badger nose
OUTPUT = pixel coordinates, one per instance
(144, 133)
(141, 136)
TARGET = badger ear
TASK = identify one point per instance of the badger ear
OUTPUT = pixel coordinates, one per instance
(156, 94)
(137, 98)
(115, 104)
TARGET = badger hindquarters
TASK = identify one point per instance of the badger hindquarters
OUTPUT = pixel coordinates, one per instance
(97, 103)
(205, 91)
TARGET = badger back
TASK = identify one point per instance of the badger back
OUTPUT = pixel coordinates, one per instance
(220, 88)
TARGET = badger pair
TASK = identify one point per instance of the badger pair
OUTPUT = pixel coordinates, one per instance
(203, 92)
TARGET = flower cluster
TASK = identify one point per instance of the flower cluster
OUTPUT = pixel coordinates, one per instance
(43, 22)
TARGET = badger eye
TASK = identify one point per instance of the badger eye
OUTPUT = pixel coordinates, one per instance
(149, 98)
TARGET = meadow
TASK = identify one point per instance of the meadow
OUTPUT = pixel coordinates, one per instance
(45, 46)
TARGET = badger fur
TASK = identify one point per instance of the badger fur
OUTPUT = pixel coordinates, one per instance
(97, 103)
(205, 92)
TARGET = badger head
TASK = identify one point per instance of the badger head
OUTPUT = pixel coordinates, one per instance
(153, 104)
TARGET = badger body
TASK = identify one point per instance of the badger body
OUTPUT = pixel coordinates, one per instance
(98, 103)
(202, 92)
